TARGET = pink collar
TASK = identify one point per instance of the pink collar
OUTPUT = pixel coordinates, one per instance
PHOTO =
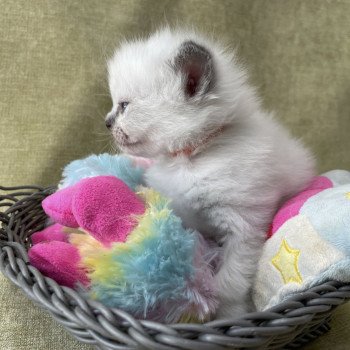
(189, 150)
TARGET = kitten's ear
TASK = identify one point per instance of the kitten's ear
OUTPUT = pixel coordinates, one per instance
(196, 65)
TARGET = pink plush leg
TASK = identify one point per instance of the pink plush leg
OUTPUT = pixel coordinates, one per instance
(50, 233)
(105, 207)
(59, 261)
(58, 206)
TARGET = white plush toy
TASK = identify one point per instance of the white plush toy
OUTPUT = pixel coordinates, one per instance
(309, 241)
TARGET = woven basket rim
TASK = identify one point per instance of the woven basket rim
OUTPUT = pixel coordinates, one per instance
(295, 321)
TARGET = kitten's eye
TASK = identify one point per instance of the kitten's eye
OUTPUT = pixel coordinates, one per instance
(123, 105)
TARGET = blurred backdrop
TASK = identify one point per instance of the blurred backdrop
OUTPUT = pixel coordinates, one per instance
(53, 91)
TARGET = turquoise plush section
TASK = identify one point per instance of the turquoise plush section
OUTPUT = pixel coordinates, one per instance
(329, 213)
(152, 275)
(103, 164)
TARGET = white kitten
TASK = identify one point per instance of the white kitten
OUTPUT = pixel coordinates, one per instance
(226, 164)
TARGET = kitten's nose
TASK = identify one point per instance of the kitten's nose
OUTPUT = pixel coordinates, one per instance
(110, 119)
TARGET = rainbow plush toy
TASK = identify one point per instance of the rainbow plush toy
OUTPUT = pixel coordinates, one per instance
(123, 248)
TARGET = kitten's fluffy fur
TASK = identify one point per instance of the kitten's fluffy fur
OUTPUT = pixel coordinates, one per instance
(181, 88)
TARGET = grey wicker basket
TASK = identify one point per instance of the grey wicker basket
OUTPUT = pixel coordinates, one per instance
(290, 324)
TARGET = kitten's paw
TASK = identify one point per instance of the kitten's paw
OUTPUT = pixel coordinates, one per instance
(228, 310)
(141, 162)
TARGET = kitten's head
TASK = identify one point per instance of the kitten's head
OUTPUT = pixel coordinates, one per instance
(170, 90)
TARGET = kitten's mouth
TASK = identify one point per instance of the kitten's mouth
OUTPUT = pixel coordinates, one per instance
(131, 143)
(132, 148)
(123, 139)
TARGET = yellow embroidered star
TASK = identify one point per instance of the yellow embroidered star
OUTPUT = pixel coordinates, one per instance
(347, 195)
(286, 262)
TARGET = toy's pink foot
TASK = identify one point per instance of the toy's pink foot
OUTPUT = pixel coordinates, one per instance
(51, 233)
(104, 206)
(58, 206)
(59, 261)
